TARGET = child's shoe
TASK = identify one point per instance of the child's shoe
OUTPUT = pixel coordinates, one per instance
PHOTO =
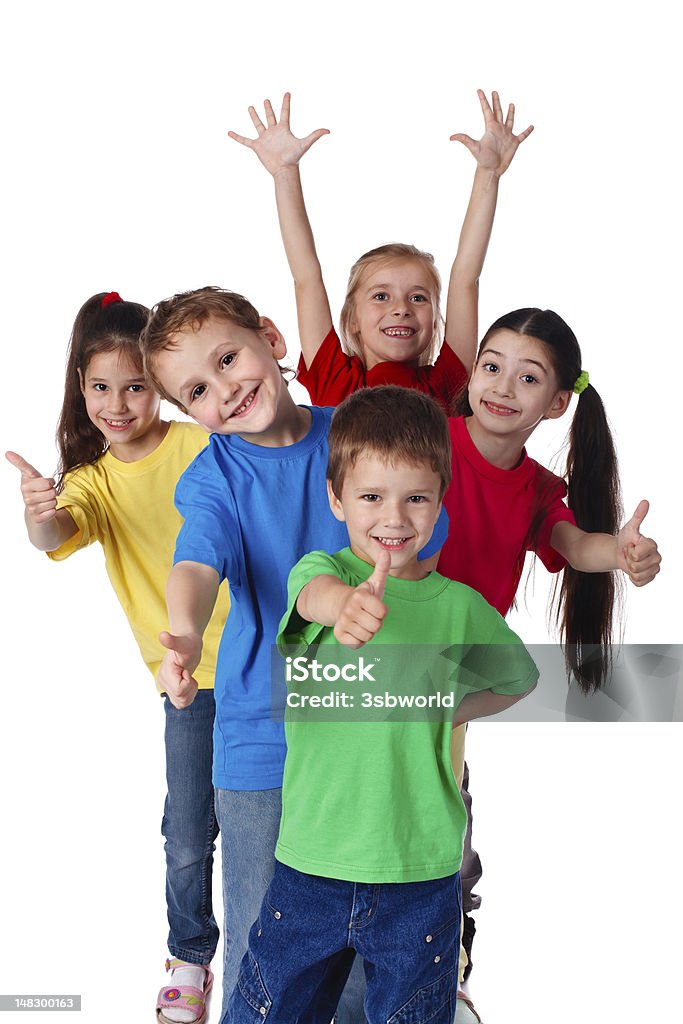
(183, 1000)
(468, 930)
(465, 1012)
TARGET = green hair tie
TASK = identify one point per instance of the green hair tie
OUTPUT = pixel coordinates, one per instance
(581, 382)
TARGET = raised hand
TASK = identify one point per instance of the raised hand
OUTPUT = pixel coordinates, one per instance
(38, 492)
(175, 672)
(364, 611)
(639, 556)
(497, 146)
(275, 146)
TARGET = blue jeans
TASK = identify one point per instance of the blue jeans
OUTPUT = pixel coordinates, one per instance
(301, 949)
(190, 828)
(249, 823)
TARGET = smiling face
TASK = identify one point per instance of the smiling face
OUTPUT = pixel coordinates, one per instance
(395, 312)
(514, 386)
(122, 405)
(227, 378)
(391, 507)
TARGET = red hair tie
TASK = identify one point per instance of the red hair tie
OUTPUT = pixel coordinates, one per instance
(109, 298)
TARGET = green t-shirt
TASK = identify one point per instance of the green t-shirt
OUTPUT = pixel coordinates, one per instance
(370, 796)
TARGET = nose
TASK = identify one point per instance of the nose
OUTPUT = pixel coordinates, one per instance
(393, 514)
(504, 385)
(229, 388)
(118, 402)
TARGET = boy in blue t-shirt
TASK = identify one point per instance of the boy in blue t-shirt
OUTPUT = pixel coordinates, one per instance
(254, 503)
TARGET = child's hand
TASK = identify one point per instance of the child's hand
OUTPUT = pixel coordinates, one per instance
(275, 146)
(364, 611)
(639, 556)
(175, 672)
(497, 146)
(38, 492)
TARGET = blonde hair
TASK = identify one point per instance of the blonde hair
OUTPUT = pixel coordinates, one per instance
(391, 253)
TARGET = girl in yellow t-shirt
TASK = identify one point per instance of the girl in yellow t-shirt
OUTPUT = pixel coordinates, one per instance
(119, 464)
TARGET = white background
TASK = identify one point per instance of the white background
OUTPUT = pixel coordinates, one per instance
(118, 175)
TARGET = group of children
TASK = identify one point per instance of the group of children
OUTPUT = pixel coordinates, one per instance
(328, 527)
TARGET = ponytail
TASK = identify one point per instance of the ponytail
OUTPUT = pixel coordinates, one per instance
(585, 602)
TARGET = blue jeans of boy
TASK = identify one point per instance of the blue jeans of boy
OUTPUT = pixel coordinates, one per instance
(301, 949)
(190, 828)
(249, 823)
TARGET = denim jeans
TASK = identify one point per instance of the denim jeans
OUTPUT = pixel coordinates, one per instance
(190, 828)
(301, 950)
(249, 823)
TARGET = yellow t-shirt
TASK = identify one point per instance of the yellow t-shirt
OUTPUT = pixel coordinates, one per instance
(128, 507)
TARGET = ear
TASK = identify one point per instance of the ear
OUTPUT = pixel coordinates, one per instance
(271, 334)
(559, 406)
(80, 380)
(335, 503)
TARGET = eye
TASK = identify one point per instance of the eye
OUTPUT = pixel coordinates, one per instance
(419, 298)
(100, 387)
(197, 392)
(380, 296)
(136, 388)
(227, 359)
(418, 499)
(491, 367)
(529, 378)
(370, 497)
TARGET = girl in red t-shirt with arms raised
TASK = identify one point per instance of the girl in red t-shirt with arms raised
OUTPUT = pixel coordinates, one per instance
(391, 320)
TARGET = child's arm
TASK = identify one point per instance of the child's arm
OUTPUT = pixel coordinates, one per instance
(356, 613)
(280, 151)
(191, 594)
(484, 703)
(493, 153)
(629, 551)
(48, 527)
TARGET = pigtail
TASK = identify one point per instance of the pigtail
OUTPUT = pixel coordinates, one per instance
(104, 323)
(585, 602)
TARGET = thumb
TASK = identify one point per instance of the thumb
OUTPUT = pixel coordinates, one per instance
(313, 137)
(25, 468)
(182, 646)
(378, 577)
(636, 520)
(466, 141)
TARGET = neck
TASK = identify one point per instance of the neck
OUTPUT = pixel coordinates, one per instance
(133, 451)
(291, 424)
(502, 452)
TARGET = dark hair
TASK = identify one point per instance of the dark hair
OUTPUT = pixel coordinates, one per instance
(394, 423)
(584, 603)
(97, 328)
(187, 311)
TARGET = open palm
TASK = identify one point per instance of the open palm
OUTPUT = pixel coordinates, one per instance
(275, 145)
(497, 146)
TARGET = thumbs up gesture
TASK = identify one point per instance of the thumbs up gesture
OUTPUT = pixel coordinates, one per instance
(38, 492)
(364, 610)
(639, 556)
(183, 654)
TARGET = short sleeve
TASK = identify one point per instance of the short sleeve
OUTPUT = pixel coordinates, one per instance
(294, 634)
(448, 376)
(208, 534)
(332, 374)
(438, 537)
(81, 504)
(556, 512)
(502, 663)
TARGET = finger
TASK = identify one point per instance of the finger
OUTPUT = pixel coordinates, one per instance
(368, 620)
(37, 486)
(242, 139)
(284, 109)
(639, 514)
(378, 577)
(39, 508)
(270, 114)
(170, 642)
(24, 467)
(525, 134)
(313, 137)
(256, 121)
(485, 108)
(45, 516)
(471, 144)
(497, 109)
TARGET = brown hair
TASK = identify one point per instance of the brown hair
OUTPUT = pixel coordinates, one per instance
(396, 424)
(97, 328)
(391, 253)
(187, 311)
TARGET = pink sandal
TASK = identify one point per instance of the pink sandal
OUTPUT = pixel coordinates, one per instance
(185, 997)
(470, 1006)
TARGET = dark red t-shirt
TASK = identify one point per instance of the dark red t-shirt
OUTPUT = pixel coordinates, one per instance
(333, 375)
(490, 512)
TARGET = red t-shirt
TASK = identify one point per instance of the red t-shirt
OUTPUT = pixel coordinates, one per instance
(333, 375)
(491, 511)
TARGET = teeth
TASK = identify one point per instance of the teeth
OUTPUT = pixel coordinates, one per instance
(245, 404)
(118, 423)
(392, 541)
(399, 332)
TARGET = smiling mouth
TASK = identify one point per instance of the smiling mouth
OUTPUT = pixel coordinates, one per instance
(246, 404)
(392, 543)
(117, 424)
(499, 410)
(398, 332)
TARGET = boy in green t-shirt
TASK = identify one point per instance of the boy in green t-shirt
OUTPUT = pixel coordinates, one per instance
(373, 822)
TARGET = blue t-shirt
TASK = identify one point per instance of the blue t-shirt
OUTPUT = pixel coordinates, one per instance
(251, 513)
